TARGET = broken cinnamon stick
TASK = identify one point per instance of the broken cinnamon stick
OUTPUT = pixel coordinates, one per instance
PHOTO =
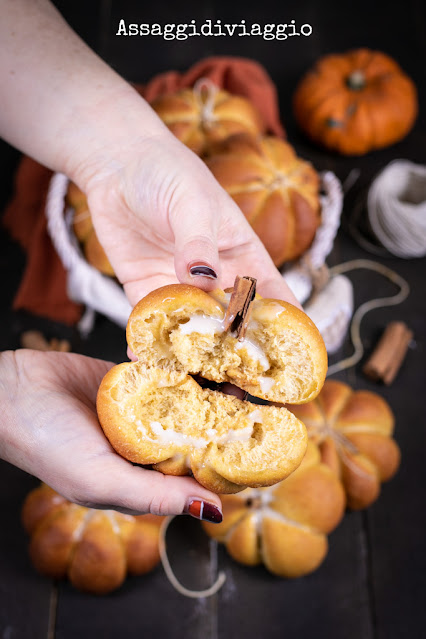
(238, 313)
(386, 359)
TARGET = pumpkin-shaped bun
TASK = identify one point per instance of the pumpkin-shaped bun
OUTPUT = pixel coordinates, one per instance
(277, 192)
(95, 549)
(354, 432)
(85, 232)
(356, 102)
(205, 115)
(284, 527)
(154, 412)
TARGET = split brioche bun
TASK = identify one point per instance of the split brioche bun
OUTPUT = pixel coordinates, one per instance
(154, 412)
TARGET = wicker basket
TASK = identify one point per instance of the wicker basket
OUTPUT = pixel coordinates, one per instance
(100, 293)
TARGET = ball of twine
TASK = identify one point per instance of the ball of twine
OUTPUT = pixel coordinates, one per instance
(397, 208)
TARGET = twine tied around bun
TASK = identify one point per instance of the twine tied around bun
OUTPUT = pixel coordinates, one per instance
(205, 94)
(193, 594)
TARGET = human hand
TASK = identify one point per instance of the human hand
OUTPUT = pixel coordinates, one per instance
(159, 213)
(50, 429)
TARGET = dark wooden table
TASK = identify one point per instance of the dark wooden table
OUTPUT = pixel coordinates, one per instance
(372, 584)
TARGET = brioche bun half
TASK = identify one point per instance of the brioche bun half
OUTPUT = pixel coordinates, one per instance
(153, 411)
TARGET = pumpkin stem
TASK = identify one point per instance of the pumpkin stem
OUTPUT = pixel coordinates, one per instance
(356, 80)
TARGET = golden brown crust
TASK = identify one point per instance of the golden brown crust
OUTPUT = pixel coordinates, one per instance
(96, 255)
(75, 197)
(276, 316)
(220, 468)
(198, 127)
(85, 233)
(154, 412)
(94, 548)
(82, 225)
(285, 526)
(277, 192)
(354, 432)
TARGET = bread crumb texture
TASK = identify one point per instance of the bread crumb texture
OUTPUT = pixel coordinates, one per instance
(154, 412)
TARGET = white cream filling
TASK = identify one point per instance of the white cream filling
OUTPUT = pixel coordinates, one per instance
(255, 352)
(203, 325)
(168, 436)
(265, 383)
(256, 416)
(269, 311)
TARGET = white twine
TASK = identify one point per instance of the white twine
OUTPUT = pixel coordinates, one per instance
(397, 208)
(393, 300)
(193, 594)
(205, 94)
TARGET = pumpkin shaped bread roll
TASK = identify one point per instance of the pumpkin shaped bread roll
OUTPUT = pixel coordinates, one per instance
(205, 115)
(285, 526)
(353, 430)
(277, 191)
(153, 411)
(95, 549)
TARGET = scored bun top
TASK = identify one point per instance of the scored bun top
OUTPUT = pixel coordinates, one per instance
(282, 357)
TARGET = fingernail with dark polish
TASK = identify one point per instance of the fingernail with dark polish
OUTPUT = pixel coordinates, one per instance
(204, 510)
(202, 270)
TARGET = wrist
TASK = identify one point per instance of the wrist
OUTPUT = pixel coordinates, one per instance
(111, 125)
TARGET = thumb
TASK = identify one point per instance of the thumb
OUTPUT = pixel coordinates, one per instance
(196, 250)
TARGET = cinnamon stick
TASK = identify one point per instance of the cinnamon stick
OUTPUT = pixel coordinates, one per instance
(386, 359)
(238, 313)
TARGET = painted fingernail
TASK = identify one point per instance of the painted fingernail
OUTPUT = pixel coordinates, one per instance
(204, 510)
(202, 270)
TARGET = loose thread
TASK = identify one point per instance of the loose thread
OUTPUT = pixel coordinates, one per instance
(194, 594)
(393, 300)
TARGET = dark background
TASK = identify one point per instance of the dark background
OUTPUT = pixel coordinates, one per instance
(372, 583)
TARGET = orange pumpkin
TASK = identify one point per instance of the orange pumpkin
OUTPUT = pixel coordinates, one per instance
(277, 192)
(353, 430)
(206, 115)
(94, 548)
(356, 102)
(85, 232)
(284, 526)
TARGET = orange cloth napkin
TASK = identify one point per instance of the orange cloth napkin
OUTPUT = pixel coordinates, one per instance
(43, 287)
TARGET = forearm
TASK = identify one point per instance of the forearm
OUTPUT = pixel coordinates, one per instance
(61, 103)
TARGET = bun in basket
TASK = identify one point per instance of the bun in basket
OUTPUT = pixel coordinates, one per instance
(155, 412)
(205, 115)
(277, 191)
(84, 231)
